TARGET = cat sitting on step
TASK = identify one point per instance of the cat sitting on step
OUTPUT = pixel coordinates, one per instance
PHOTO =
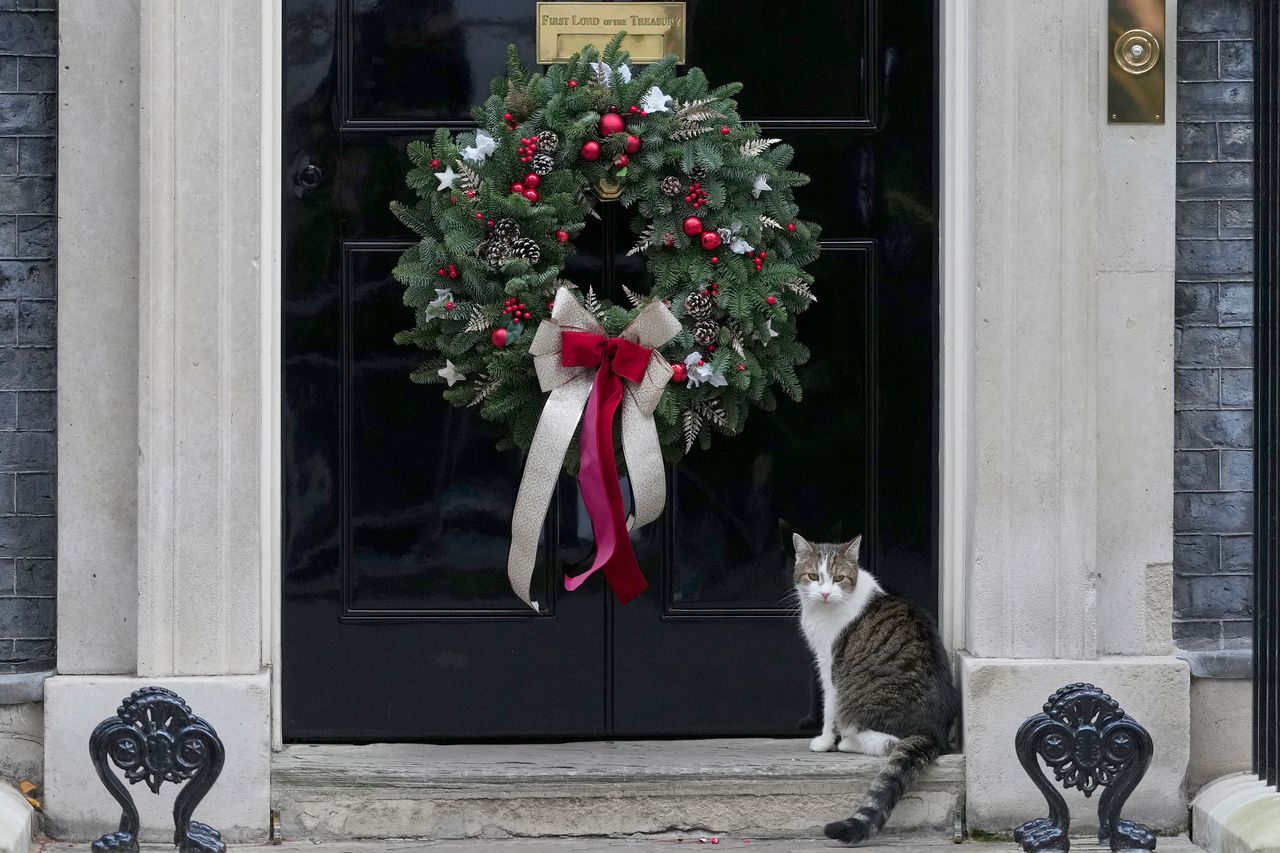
(886, 678)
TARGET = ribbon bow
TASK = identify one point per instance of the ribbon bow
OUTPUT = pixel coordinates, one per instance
(565, 348)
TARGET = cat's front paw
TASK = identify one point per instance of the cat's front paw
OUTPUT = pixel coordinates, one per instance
(822, 743)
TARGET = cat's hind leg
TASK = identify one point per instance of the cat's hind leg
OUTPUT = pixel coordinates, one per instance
(870, 742)
(849, 739)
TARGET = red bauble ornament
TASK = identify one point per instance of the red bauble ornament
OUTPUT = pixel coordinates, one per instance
(710, 240)
(621, 161)
(633, 144)
(532, 195)
(531, 180)
(562, 236)
(499, 337)
(517, 187)
(611, 123)
(591, 150)
(679, 373)
(693, 226)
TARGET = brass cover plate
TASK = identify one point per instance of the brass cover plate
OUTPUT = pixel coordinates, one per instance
(653, 29)
(1135, 61)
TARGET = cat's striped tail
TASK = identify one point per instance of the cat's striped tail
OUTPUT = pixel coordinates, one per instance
(907, 758)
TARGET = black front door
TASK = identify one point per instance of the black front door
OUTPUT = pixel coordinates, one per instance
(398, 622)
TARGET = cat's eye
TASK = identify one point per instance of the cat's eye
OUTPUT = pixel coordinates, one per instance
(811, 576)
(840, 578)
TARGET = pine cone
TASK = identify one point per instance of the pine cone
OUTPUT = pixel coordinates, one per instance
(506, 229)
(519, 101)
(495, 252)
(542, 163)
(697, 305)
(547, 141)
(526, 248)
(705, 332)
(672, 185)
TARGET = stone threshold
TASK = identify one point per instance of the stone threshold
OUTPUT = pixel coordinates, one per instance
(560, 845)
(739, 788)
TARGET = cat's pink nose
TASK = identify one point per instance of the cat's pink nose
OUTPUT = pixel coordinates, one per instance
(825, 596)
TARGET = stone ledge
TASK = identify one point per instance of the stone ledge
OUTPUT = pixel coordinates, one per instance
(1237, 814)
(19, 688)
(1219, 663)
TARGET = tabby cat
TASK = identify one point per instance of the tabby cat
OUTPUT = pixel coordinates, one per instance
(886, 678)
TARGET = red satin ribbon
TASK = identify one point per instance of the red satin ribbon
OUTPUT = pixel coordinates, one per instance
(615, 359)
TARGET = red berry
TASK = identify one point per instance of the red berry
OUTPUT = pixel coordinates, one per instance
(764, 255)
(633, 109)
(527, 315)
(714, 259)
(679, 373)
(448, 306)
(441, 272)
(506, 117)
(573, 84)
(740, 367)
(517, 188)
(633, 144)
(479, 215)
(532, 195)
(791, 226)
(531, 180)
(591, 150)
(471, 194)
(562, 236)
(453, 199)
(772, 300)
(701, 362)
(453, 273)
(724, 131)
(643, 114)
(499, 337)
(524, 140)
(435, 164)
(621, 161)
(516, 318)
(693, 226)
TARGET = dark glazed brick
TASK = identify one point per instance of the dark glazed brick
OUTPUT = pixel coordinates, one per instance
(1237, 389)
(1235, 304)
(8, 74)
(8, 322)
(1195, 388)
(1215, 181)
(1213, 597)
(27, 536)
(26, 451)
(1195, 555)
(1236, 60)
(8, 578)
(1215, 101)
(37, 5)
(37, 74)
(35, 655)
(8, 411)
(1215, 19)
(1195, 304)
(36, 238)
(1197, 60)
(27, 368)
(37, 114)
(8, 236)
(37, 410)
(27, 195)
(1237, 634)
(36, 494)
(1214, 258)
(1237, 218)
(36, 577)
(29, 618)
(1197, 635)
(1235, 474)
(1195, 470)
(37, 155)
(28, 35)
(1213, 512)
(37, 322)
(1197, 218)
(1235, 140)
(27, 278)
(1197, 140)
(1210, 346)
(8, 494)
(1237, 553)
(1204, 430)
(8, 156)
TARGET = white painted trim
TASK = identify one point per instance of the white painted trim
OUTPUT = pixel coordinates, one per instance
(958, 284)
(272, 319)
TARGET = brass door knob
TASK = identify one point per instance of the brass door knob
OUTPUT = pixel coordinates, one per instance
(1137, 51)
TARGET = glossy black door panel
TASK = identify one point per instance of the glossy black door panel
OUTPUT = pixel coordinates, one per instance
(398, 622)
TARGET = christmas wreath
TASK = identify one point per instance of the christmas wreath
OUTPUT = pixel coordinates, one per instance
(497, 210)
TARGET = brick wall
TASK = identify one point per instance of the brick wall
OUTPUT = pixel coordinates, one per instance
(28, 316)
(1213, 459)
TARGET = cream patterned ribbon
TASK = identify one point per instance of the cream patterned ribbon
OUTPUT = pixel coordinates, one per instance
(569, 388)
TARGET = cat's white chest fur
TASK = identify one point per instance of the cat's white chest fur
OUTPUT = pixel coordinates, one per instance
(821, 623)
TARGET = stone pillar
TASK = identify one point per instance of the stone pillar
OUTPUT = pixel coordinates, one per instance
(167, 467)
(1069, 578)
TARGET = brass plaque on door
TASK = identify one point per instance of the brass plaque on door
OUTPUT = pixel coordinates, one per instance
(653, 29)
(1135, 61)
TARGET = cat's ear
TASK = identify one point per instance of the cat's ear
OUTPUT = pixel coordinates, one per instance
(851, 548)
(802, 545)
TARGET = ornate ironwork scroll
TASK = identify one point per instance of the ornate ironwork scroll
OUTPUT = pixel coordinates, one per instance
(1088, 742)
(154, 738)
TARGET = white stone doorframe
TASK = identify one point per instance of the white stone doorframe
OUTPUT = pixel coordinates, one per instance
(1057, 388)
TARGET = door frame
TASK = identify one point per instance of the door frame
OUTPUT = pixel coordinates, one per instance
(957, 281)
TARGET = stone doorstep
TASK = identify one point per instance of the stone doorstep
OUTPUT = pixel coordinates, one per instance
(1237, 814)
(560, 845)
(744, 788)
